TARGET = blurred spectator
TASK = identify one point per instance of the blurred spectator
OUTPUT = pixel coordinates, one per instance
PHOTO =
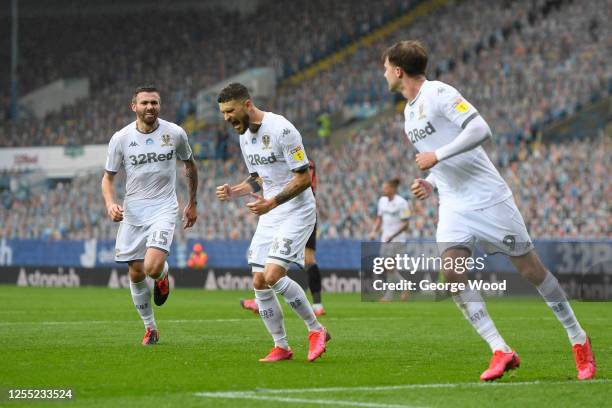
(198, 258)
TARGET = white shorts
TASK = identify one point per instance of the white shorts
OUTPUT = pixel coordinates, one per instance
(499, 228)
(133, 241)
(280, 243)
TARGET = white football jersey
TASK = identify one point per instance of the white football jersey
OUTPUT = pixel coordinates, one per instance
(433, 119)
(273, 152)
(393, 214)
(150, 166)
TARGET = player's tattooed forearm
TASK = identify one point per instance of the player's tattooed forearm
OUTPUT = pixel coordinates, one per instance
(192, 179)
(294, 188)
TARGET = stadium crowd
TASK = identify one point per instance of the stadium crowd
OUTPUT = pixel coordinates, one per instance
(500, 57)
(190, 51)
(563, 190)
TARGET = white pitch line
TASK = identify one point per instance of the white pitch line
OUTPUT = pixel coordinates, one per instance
(417, 386)
(257, 395)
(334, 402)
(398, 387)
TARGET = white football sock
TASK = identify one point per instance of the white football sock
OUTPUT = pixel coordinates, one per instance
(272, 316)
(555, 298)
(475, 311)
(164, 271)
(296, 298)
(141, 295)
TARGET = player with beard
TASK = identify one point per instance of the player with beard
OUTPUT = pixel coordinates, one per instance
(276, 160)
(147, 149)
(310, 261)
(476, 204)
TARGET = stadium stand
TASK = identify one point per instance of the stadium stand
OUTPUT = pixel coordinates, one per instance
(189, 54)
(565, 184)
(489, 64)
(500, 57)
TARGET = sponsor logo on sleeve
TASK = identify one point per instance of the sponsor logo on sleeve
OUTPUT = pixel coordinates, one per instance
(461, 106)
(297, 153)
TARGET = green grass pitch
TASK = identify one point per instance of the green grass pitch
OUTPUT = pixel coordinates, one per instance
(414, 354)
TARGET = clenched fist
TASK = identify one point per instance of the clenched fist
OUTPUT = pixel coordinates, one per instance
(426, 160)
(421, 188)
(224, 192)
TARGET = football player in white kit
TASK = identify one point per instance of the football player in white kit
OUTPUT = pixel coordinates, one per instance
(476, 204)
(276, 160)
(148, 148)
(392, 221)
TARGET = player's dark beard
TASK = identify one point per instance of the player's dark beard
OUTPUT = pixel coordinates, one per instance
(253, 127)
(246, 123)
(143, 117)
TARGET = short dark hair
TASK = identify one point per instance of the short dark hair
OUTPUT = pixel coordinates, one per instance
(145, 88)
(394, 182)
(234, 91)
(411, 56)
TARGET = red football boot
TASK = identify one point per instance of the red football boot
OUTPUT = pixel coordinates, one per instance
(318, 310)
(500, 363)
(161, 290)
(277, 354)
(249, 304)
(317, 341)
(585, 361)
(151, 337)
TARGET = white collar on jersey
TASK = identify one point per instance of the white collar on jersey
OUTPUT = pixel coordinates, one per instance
(419, 94)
